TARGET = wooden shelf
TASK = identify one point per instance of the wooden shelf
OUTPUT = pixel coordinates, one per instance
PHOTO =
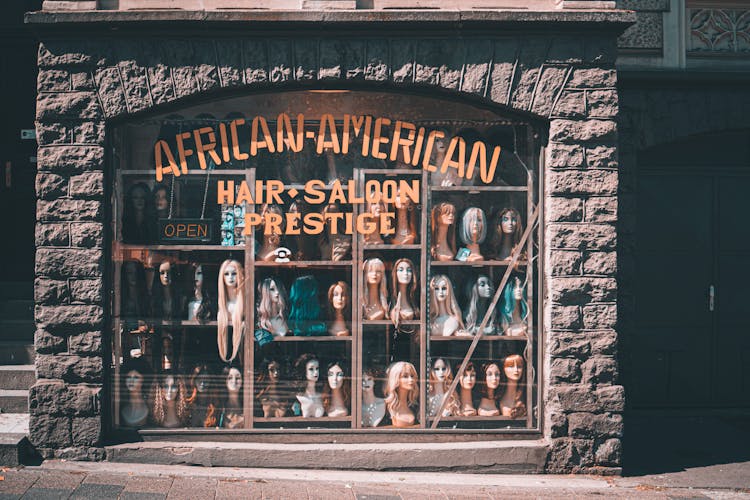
(477, 418)
(368, 247)
(504, 338)
(180, 248)
(479, 189)
(312, 338)
(476, 263)
(305, 263)
(388, 322)
(301, 419)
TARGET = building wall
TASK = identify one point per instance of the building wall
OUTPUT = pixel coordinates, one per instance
(567, 79)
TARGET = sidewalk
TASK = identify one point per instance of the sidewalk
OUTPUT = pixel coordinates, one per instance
(103, 480)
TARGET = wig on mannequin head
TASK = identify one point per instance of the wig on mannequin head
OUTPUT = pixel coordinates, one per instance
(158, 411)
(300, 369)
(451, 305)
(267, 309)
(437, 211)
(207, 310)
(411, 287)
(473, 318)
(158, 293)
(470, 216)
(382, 290)
(132, 231)
(303, 297)
(393, 379)
(451, 407)
(378, 377)
(130, 297)
(345, 387)
(498, 236)
(222, 317)
(346, 291)
(509, 303)
(519, 402)
(483, 389)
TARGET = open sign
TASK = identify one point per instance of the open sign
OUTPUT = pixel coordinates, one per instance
(185, 230)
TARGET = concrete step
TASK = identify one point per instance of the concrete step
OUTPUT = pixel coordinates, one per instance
(17, 309)
(14, 401)
(16, 290)
(513, 457)
(17, 376)
(15, 449)
(17, 329)
(17, 352)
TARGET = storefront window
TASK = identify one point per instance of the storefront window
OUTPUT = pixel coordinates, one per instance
(325, 260)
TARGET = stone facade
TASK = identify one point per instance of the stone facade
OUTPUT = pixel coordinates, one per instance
(567, 80)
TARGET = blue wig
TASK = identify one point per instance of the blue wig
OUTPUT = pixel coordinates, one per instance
(305, 307)
(509, 303)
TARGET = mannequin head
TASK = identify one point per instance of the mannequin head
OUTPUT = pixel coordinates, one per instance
(507, 227)
(165, 273)
(307, 369)
(337, 380)
(161, 199)
(303, 299)
(373, 275)
(491, 377)
(136, 370)
(268, 212)
(169, 389)
(469, 377)
(232, 379)
(164, 288)
(401, 382)
(441, 295)
(473, 226)
(196, 281)
(480, 293)
(514, 290)
(200, 380)
(440, 374)
(231, 284)
(514, 374)
(404, 273)
(138, 197)
(272, 301)
(372, 380)
(339, 299)
(444, 215)
(134, 288)
(197, 275)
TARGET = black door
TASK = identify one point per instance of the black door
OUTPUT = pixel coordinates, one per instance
(691, 346)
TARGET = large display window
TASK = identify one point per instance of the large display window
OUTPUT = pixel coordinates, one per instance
(337, 260)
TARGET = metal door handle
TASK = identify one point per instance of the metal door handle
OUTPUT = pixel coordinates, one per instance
(711, 295)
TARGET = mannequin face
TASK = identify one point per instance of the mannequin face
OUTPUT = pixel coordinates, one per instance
(312, 370)
(448, 215)
(160, 199)
(230, 276)
(274, 292)
(133, 381)
(198, 277)
(169, 387)
(484, 287)
(335, 377)
(441, 290)
(338, 300)
(518, 290)
(274, 371)
(374, 273)
(404, 273)
(406, 380)
(202, 382)
(376, 209)
(139, 199)
(273, 239)
(165, 273)
(368, 383)
(234, 380)
(440, 144)
(492, 376)
(468, 379)
(440, 370)
(402, 201)
(513, 370)
(130, 274)
(508, 222)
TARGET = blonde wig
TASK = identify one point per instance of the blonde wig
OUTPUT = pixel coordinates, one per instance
(383, 291)
(475, 313)
(498, 237)
(470, 216)
(393, 378)
(223, 319)
(451, 307)
(158, 412)
(437, 211)
(267, 308)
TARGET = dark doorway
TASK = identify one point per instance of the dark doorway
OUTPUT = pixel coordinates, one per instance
(692, 331)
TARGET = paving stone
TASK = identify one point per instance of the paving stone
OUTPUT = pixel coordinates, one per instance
(158, 485)
(97, 491)
(15, 483)
(59, 480)
(421, 492)
(276, 490)
(102, 478)
(189, 487)
(142, 495)
(46, 494)
(238, 489)
(323, 491)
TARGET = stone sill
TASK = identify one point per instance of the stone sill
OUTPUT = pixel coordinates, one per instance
(605, 17)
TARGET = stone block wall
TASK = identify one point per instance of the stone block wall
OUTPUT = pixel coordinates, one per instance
(567, 81)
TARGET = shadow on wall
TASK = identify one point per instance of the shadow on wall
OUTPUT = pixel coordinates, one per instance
(669, 443)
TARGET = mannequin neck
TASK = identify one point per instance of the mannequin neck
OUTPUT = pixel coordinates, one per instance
(337, 398)
(368, 396)
(198, 292)
(170, 411)
(232, 294)
(338, 315)
(402, 399)
(373, 293)
(466, 398)
(438, 388)
(490, 393)
(507, 246)
(403, 290)
(136, 398)
(310, 389)
(516, 316)
(402, 220)
(442, 307)
(233, 399)
(442, 233)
